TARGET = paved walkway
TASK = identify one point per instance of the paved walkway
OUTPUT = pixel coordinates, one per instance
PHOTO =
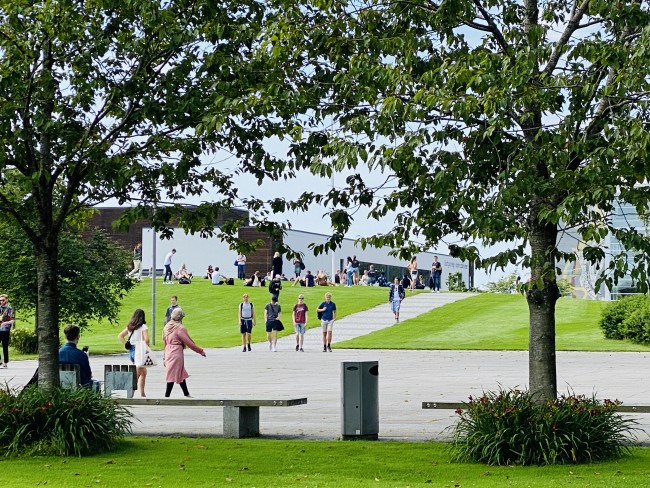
(406, 379)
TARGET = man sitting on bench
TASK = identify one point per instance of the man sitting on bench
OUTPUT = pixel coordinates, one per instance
(70, 354)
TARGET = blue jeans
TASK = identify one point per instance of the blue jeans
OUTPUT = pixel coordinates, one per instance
(350, 273)
(436, 281)
(168, 272)
(241, 271)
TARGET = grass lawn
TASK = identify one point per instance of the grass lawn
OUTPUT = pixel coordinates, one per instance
(494, 322)
(165, 462)
(212, 311)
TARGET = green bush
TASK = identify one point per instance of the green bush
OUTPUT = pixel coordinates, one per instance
(60, 422)
(616, 312)
(636, 326)
(508, 428)
(455, 282)
(24, 341)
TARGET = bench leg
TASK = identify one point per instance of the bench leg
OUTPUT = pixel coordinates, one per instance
(240, 422)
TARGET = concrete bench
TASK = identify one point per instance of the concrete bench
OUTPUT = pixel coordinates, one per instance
(120, 377)
(69, 376)
(241, 418)
(459, 405)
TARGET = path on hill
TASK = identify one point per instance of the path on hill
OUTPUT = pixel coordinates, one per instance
(365, 322)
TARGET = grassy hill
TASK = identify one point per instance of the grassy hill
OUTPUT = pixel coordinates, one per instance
(495, 322)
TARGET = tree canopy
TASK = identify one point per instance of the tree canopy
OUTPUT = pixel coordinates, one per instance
(493, 120)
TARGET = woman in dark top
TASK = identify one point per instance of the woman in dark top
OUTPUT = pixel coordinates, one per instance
(277, 264)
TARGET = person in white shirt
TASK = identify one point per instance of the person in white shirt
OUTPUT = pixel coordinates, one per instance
(168, 266)
(216, 277)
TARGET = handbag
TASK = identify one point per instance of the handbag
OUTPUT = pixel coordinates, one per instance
(143, 356)
(278, 326)
(236, 262)
(127, 344)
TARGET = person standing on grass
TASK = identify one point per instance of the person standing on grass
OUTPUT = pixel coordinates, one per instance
(275, 285)
(327, 311)
(395, 296)
(241, 266)
(300, 311)
(436, 273)
(176, 339)
(7, 322)
(168, 267)
(246, 316)
(137, 261)
(272, 313)
(135, 332)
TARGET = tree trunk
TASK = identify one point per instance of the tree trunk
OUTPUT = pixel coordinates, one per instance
(47, 313)
(541, 295)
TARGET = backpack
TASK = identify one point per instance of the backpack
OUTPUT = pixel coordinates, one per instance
(184, 281)
(302, 265)
(230, 281)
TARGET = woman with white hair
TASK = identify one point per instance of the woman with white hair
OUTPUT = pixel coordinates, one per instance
(176, 339)
(277, 264)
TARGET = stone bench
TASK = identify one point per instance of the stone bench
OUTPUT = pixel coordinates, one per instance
(241, 418)
(120, 377)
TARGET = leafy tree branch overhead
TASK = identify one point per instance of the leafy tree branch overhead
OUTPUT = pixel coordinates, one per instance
(500, 120)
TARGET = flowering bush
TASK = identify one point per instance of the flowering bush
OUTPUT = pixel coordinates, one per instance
(60, 422)
(507, 427)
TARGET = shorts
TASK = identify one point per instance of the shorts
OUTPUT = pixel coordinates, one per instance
(414, 274)
(327, 325)
(246, 326)
(271, 325)
(394, 306)
(300, 328)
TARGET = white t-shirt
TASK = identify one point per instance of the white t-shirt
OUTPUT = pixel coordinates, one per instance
(137, 334)
(216, 277)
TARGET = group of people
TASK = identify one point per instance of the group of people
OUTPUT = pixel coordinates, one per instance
(326, 313)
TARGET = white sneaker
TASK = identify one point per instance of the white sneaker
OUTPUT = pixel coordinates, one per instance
(3, 365)
(270, 346)
(274, 349)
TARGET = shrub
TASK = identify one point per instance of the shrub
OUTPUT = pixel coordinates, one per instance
(636, 326)
(615, 313)
(504, 285)
(455, 282)
(60, 422)
(24, 341)
(507, 427)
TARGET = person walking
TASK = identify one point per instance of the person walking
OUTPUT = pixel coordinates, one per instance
(355, 270)
(298, 266)
(168, 267)
(246, 317)
(349, 272)
(135, 332)
(176, 339)
(327, 312)
(300, 311)
(137, 261)
(413, 272)
(173, 304)
(272, 313)
(395, 296)
(275, 285)
(436, 273)
(7, 323)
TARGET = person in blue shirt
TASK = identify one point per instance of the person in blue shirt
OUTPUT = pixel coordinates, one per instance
(327, 314)
(70, 354)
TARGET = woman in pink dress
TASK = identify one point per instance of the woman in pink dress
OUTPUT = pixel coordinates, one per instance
(176, 339)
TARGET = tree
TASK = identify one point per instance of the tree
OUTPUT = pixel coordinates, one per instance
(107, 100)
(493, 120)
(92, 279)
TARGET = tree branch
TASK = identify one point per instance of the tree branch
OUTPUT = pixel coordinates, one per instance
(572, 26)
(493, 28)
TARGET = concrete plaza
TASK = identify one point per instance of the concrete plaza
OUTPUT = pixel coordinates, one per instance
(406, 379)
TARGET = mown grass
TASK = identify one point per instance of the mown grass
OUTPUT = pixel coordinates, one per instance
(494, 322)
(199, 462)
(212, 311)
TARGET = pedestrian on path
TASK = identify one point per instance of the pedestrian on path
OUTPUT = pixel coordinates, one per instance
(272, 313)
(327, 315)
(395, 296)
(413, 272)
(246, 316)
(135, 332)
(176, 339)
(436, 273)
(300, 311)
(137, 262)
(8, 322)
